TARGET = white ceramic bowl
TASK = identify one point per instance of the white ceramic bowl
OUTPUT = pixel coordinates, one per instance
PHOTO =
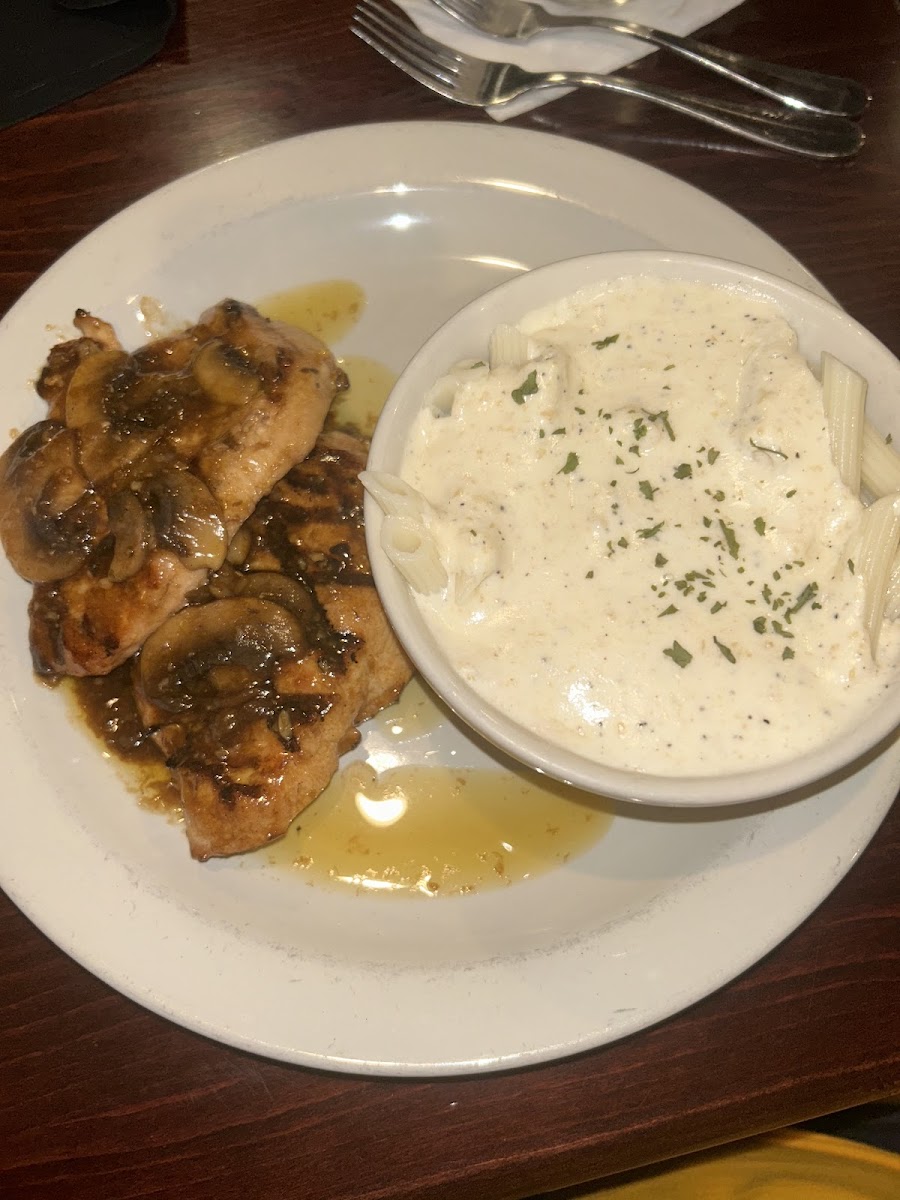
(819, 325)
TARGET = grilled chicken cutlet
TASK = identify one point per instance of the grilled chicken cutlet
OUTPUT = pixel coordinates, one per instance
(253, 690)
(126, 497)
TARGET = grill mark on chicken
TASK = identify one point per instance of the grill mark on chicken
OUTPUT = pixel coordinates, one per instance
(254, 690)
(121, 503)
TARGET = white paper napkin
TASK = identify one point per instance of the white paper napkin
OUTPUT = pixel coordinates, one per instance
(576, 50)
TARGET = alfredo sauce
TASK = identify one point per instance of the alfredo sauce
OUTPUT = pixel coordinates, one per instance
(649, 548)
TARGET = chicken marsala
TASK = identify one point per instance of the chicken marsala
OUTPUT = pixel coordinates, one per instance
(167, 505)
(121, 502)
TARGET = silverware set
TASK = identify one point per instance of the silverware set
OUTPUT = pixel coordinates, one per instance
(806, 113)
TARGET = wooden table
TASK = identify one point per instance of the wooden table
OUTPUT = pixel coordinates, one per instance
(99, 1097)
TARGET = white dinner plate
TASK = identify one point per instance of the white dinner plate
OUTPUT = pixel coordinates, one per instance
(664, 909)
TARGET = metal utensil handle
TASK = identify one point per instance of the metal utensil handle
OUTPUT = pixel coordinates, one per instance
(789, 85)
(817, 136)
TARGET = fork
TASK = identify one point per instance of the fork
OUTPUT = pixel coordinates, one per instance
(481, 84)
(520, 20)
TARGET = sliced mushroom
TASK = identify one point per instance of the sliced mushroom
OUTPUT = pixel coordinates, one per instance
(132, 529)
(119, 408)
(50, 518)
(225, 373)
(62, 362)
(152, 401)
(298, 598)
(103, 452)
(90, 386)
(186, 518)
(103, 405)
(207, 654)
(289, 593)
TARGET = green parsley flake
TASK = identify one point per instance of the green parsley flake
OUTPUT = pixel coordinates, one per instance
(787, 652)
(663, 418)
(805, 596)
(760, 624)
(650, 532)
(660, 560)
(667, 612)
(683, 471)
(590, 575)
(711, 456)
(730, 539)
(724, 650)
(570, 464)
(647, 489)
(607, 341)
(528, 387)
(851, 565)
(760, 526)
(678, 654)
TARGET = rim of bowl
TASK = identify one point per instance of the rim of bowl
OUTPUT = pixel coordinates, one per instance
(466, 333)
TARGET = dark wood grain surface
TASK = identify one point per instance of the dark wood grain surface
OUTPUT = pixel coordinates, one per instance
(101, 1098)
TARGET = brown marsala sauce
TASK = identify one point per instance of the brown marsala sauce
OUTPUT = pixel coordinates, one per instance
(378, 828)
(105, 704)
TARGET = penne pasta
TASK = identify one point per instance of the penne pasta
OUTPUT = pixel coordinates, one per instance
(508, 347)
(892, 598)
(880, 463)
(413, 551)
(393, 495)
(844, 395)
(405, 536)
(875, 560)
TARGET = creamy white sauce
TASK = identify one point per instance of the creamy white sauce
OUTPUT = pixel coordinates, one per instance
(648, 544)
